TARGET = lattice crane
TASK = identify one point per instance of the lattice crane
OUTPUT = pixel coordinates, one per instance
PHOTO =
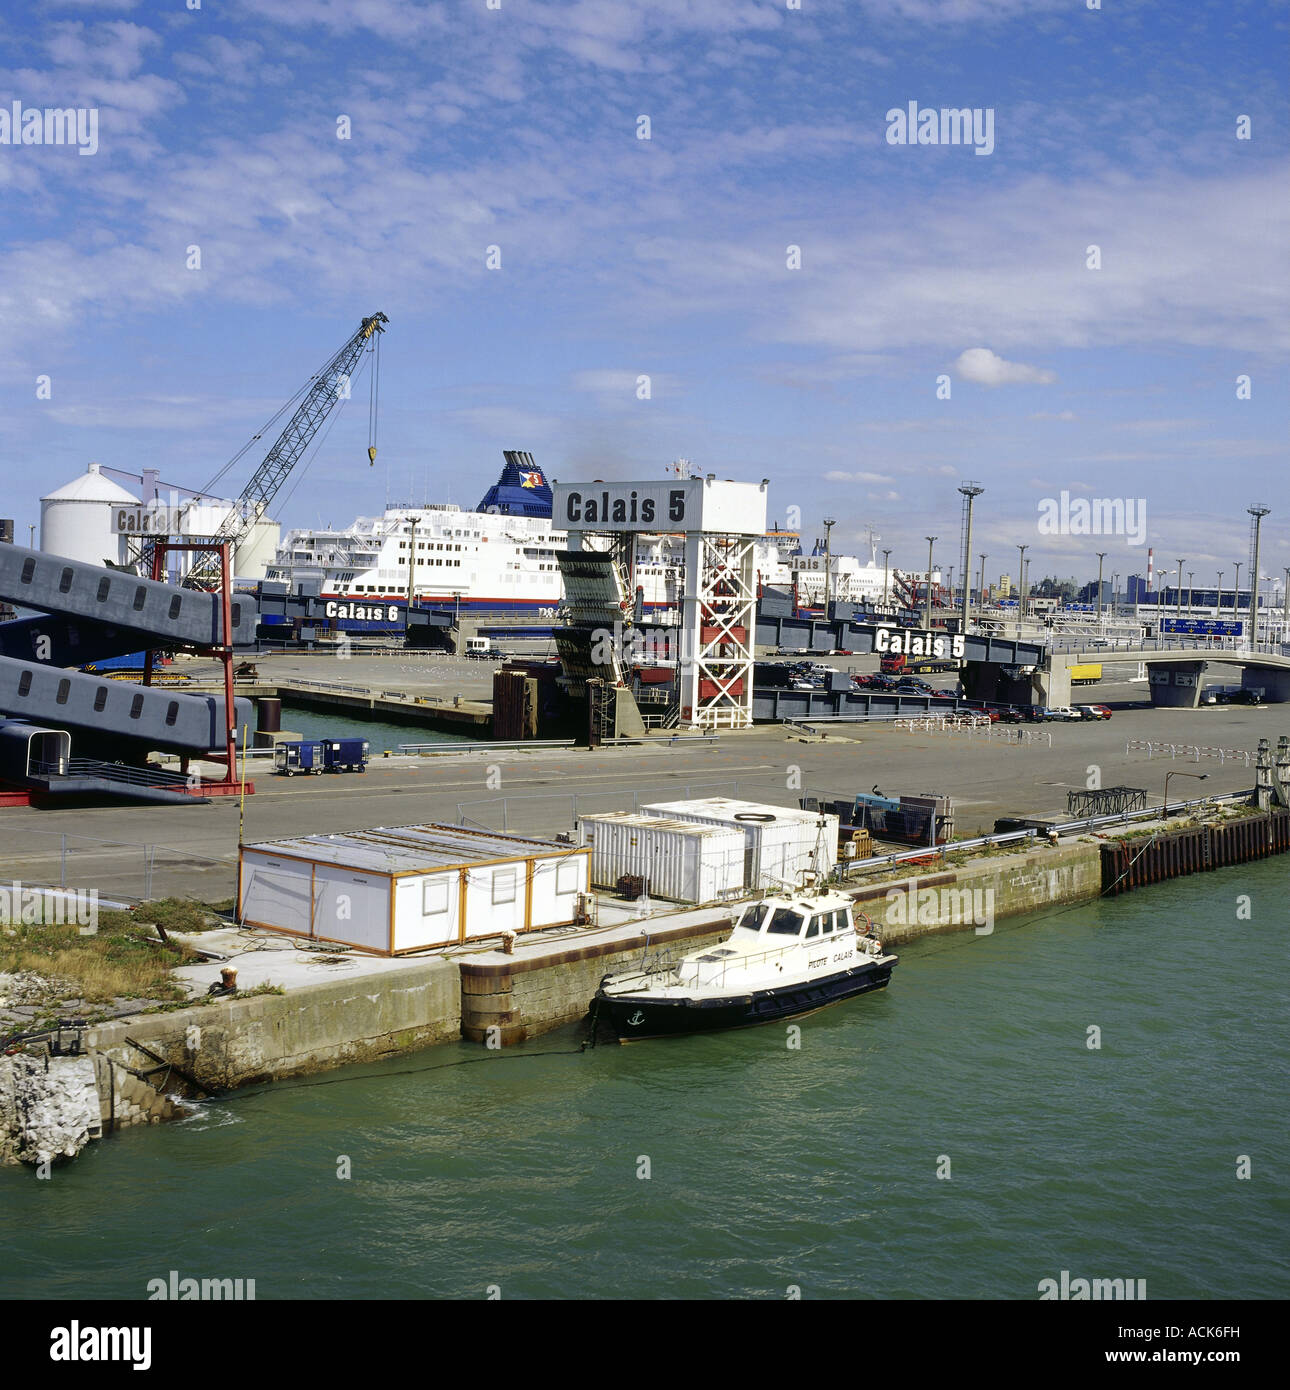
(323, 394)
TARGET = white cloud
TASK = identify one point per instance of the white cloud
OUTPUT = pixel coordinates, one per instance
(838, 476)
(607, 381)
(1053, 415)
(988, 369)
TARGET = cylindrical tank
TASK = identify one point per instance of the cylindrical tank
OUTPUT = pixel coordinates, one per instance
(268, 715)
(256, 550)
(76, 519)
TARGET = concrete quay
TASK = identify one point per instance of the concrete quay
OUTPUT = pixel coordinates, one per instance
(192, 850)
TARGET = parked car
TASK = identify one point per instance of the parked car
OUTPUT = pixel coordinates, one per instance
(1104, 710)
(1062, 712)
(1011, 715)
(1087, 711)
(1035, 714)
(1241, 697)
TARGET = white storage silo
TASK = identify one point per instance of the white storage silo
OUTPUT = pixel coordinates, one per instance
(76, 519)
(257, 548)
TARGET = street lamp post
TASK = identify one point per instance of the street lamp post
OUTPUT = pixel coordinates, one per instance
(1101, 555)
(1199, 776)
(1181, 563)
(886, 557)
(1258, 511)
(980, 594)
(1021, 583)
(1218, 608)
(928, 623)
(1236, 596)
(970, 491)
(1286, 605)
(1191, 575)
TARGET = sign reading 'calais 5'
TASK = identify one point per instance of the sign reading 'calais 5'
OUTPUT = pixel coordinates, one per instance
(688, 504)
(888, 639)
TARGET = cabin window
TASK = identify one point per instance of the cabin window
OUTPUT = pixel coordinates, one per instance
(567, 878)
(64, 690)
(140, 598)
(100, 699)
(28, 571)
(434, 897)
(24, 683)
(104, 585)
(136, 707)
(503, 886)
(65, 580)
(815, 927)
(174, 607)
(172, 713)
(785, 922)
(753, 917)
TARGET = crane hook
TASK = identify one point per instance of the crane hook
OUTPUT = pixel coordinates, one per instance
(371, 457)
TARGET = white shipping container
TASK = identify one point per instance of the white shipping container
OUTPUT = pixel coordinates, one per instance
(782, 844)
(682, 861)
(410, 887)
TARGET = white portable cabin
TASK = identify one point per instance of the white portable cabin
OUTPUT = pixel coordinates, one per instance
(680, 860)
(410, 887)
(782, 845)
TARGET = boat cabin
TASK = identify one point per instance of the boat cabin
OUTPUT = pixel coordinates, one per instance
(779, 920)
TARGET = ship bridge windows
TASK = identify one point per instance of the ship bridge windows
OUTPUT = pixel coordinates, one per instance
(785, 922)
(753, 917)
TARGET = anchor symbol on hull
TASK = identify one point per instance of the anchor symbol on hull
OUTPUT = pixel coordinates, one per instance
(636, 1019)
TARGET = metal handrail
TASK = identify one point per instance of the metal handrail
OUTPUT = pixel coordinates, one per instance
(1010, 836)
(113, 772)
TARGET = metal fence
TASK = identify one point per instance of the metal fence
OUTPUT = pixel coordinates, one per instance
(1191, 752)
(117, 868)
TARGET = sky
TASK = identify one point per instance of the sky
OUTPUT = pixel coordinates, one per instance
(940, 319)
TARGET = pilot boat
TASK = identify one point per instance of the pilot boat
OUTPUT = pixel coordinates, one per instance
(786, 956)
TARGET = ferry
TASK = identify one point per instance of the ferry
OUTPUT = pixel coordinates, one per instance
(786, 956)
(501, 557)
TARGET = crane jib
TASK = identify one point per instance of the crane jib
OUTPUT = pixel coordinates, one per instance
(325, 392)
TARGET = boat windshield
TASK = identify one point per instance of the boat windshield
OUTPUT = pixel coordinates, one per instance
(785, 922)
(753, 917)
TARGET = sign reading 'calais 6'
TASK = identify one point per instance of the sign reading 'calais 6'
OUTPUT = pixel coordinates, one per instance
(692, 504)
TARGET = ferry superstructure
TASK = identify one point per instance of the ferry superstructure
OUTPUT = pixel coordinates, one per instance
(502, 556)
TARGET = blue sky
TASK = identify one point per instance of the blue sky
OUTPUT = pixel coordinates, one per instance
(517, 127)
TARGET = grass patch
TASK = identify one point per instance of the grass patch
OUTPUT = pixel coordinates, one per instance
(122, 960)
(177, 914)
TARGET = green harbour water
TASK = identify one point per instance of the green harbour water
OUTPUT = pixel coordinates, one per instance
(770, 1169)
(381, 735)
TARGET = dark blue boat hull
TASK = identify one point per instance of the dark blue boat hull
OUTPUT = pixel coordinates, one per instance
(635, 1016)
